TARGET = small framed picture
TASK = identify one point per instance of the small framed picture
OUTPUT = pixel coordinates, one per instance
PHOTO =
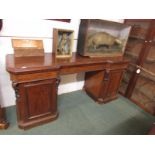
(63, 43)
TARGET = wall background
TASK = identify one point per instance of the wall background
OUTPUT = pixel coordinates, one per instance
(35, 29)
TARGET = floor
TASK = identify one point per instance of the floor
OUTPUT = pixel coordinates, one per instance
(80, 115)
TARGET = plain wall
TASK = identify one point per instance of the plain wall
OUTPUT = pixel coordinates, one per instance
(35, 29)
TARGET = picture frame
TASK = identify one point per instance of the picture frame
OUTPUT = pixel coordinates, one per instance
(63, 43)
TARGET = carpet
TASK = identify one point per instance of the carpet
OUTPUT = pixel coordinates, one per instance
(80, 115)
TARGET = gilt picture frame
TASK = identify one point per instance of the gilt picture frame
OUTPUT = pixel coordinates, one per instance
(63, 43)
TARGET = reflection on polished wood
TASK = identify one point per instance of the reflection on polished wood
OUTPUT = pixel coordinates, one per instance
(36, 80)
(49, 62)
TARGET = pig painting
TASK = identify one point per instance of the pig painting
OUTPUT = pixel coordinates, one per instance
(100, 39)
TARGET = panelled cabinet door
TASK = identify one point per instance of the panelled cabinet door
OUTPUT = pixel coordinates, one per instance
(144, 91)
(93, 82)
(136, 45)
(138, 82)
(37, 100)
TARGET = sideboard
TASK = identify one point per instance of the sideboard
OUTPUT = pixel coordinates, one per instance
(36, 79)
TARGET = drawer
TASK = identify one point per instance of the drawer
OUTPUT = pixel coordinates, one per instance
(81, 68)
(33, 76)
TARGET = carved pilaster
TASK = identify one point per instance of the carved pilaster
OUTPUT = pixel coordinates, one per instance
(16, 88)
(106, 75)
(57, 82)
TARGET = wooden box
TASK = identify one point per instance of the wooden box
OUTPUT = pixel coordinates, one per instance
(27, 47)
(100, 38)
(63, 43)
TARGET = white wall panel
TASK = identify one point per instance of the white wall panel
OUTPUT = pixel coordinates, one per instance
(38, 29)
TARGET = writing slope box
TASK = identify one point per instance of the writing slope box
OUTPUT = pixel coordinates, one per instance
(101, 38)
(63, 43)
(27, 47)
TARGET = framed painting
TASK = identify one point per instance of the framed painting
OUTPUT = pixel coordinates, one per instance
(63, 43)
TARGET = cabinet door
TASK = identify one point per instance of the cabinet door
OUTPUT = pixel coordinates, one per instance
(144, 91)
(136, 45)
(111, 84)
(93, 81)
(36, 101)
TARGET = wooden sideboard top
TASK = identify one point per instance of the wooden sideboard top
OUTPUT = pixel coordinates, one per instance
(18, 65)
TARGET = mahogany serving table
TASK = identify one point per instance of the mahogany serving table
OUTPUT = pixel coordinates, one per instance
(36, 79)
